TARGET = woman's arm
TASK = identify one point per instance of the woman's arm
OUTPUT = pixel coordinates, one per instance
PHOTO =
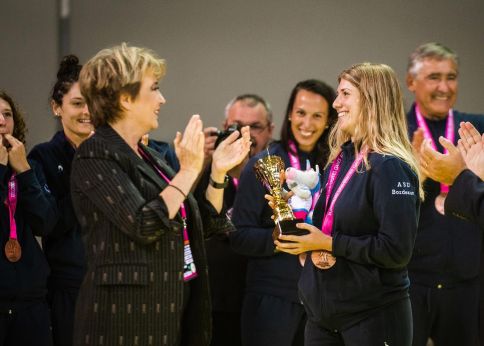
(397, 214)
(230, 153)
(101, 189)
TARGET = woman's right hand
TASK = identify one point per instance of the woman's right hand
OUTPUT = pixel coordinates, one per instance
(297, 244)
(189, 146)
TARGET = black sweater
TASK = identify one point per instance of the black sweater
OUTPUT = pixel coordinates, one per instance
(466, 198)
(63, 247)
(374, 229)
(36, 215)
(268, 272)
(447, 249)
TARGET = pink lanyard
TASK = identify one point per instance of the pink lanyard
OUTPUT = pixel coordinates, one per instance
(294, 159)
(449, 134)
(11, 203)
(328, 220)
(236, 182)
(189, 269)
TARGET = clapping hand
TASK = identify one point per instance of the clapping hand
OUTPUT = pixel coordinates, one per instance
(440, 167)
(417, 142)
(189, 146)
(231, 152)
(471, 146)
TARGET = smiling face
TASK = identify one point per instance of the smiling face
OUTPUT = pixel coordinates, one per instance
(146, 105)
(74, 115)
(435, 87)
(308, 118)
(348, 106)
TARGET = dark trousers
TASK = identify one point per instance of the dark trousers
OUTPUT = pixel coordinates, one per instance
(389, 326)
(226, 328)
(62, 303)
(269, 320)
(447, 315)
(26, 326)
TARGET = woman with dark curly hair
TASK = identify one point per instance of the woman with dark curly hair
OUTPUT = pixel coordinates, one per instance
(27, 210)
(63, 247)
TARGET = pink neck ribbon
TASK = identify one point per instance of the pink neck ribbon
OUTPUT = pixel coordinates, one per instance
(11, 204)
(327, 225)
(189, 269)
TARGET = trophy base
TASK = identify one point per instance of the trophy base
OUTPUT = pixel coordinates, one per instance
(288, 227)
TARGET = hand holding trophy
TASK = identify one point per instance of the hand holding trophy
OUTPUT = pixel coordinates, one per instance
(270, 171)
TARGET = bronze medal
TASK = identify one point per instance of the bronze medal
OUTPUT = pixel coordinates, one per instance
(13, 251)
(323, 259)
(440, 202)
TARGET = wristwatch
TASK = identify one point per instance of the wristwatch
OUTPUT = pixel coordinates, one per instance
(219, 185)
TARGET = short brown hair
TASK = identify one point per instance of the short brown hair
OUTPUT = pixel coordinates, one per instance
(112, 72)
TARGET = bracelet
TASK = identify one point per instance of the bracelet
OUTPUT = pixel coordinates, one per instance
(179, 190)
(216, 185)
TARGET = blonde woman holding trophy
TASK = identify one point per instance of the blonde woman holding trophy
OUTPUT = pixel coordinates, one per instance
(354, 284)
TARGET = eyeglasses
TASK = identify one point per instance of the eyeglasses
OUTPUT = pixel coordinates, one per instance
(255, 128)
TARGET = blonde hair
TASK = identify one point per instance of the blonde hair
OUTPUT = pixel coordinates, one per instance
(112, 72)
(381, 125)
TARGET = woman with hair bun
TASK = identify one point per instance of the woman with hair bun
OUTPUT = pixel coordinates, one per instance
(27, 209)
(63, 247)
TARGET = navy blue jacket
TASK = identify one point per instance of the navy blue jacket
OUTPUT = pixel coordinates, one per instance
(63, 247)
(268, 272)
(166, 152)
(466, 198)
(36, 215)
(374, 229)
(447, 249)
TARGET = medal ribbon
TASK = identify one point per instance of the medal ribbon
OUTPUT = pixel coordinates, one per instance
(11, 203)
(294, 159)
(328, 220)
(189, 269)
(449, 134)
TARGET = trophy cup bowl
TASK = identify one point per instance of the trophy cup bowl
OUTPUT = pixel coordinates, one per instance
(270, 171)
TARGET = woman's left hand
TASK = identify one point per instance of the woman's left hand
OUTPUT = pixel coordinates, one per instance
(231, 152)
(296, 244)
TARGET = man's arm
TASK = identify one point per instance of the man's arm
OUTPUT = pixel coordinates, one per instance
(466, 198)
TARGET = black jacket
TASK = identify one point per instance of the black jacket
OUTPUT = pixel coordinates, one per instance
(63, 247)
(135, 252)
(374, 229)
(447, 249)
(466, 198)
(36, 215)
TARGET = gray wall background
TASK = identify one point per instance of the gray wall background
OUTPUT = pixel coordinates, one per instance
(218, 49)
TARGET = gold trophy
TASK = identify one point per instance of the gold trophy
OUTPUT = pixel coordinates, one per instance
(270, 171)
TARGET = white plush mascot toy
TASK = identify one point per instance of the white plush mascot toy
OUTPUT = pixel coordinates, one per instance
(304, 184)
